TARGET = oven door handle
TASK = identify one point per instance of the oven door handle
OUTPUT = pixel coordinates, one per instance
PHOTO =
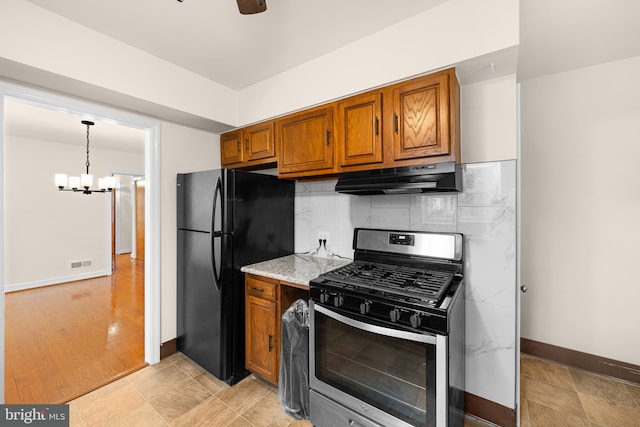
(423, 338)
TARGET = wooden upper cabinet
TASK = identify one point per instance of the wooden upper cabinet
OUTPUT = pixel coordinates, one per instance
(359, 126)
(422, 116)
(306, 142)
(250, 146)
(412, 122)
(259, 142)
(231, 148)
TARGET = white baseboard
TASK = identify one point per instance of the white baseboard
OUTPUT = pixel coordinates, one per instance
(55, 281)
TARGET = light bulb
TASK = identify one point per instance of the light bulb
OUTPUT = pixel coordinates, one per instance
(74, 182)
(110, 182)
(61, 180)
(86, 179)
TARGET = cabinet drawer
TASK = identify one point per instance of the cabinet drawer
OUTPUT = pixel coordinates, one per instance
(261, 288)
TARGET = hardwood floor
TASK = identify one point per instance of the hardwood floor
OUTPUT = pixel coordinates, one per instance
(65, 340)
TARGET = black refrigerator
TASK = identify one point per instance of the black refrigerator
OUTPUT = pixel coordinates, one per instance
(226, 219)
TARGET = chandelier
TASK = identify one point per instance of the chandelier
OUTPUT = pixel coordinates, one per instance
(84, 182)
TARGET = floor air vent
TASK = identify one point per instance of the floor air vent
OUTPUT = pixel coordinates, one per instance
(81, 264)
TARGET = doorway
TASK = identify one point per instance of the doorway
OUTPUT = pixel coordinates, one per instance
(128, 224)
(11, 92)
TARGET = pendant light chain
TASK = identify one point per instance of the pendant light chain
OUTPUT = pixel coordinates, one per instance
(88, 147)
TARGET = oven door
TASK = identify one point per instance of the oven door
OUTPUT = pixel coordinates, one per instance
(389, 376)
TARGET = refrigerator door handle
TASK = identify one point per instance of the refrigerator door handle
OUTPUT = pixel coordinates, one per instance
(216, 234)
(217, 197)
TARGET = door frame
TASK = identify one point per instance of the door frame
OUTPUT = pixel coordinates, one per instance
(151, 127)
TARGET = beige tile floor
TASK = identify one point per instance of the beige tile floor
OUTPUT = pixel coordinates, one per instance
(178, 392)
(557, 395)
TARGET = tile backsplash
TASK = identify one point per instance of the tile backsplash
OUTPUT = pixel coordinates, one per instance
(485, 212)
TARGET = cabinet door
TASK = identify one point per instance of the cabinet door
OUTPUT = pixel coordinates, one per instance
(231, 148)
(261, 338)
(259, 142)
(359, 129)
(305, 142)
(421, 118)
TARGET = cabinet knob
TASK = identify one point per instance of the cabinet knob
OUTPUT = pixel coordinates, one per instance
(524, 289)
(246, 144)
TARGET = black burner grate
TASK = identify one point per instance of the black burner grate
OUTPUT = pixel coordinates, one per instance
(423, 284)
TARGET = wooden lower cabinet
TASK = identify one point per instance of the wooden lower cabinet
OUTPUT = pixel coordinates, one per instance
(262, 357)
(266, 300)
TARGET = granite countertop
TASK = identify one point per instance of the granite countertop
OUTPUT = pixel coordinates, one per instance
(296, 268)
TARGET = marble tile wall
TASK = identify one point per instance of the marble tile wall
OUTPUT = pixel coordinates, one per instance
(485, 212)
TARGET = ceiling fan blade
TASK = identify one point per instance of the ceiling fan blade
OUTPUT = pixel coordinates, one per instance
(248, 7)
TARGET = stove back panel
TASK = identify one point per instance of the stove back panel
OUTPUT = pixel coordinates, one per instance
(446, 246)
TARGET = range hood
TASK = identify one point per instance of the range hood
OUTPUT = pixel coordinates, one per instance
(437, 177)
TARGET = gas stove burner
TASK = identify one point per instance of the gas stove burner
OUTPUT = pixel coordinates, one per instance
(418, 284)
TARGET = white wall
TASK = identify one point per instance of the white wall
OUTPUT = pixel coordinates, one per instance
(183, 149)
(488, 120)
(443, 36)
(46, 229)
(45, 41)
(580, 209)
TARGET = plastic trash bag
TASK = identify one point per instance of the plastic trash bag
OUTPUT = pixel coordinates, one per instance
(293, 383)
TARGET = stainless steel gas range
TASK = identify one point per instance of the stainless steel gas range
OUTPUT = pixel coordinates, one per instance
(387, 333)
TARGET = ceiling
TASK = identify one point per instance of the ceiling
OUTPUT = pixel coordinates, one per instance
(210, 38)
(28, 121)
(563, 35)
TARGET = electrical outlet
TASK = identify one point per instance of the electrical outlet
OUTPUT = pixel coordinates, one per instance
(323, 235)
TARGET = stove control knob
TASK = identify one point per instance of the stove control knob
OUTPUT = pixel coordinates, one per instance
(324, 297)
(415, 320)
(365, 307)
(394, 315)
(338, 300)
